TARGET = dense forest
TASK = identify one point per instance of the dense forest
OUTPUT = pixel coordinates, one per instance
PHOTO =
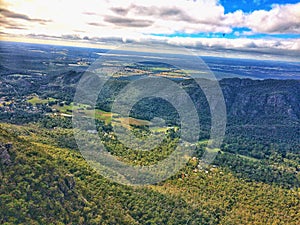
(44, 182)
(254, 179)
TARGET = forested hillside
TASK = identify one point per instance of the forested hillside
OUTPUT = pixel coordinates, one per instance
(42, 183)
(45, 180)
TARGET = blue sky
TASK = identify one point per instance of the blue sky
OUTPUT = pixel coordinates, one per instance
(235, 34)
(231, 6)
(250, 6)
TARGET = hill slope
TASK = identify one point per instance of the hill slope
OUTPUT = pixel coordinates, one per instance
(45, 184)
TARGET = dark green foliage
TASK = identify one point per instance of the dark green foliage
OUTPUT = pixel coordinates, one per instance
(52, 122)
(45, 184)
(45, 180)
(260, 171)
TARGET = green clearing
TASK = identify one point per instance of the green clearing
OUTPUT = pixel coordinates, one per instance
(68, 109)
(248, 158)
(131, 121)
(37, 100)
(160, 129)
(99, 114)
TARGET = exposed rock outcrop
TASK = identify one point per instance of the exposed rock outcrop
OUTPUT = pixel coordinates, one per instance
(5, 157)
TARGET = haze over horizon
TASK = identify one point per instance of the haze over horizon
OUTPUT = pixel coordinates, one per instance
(268, 29)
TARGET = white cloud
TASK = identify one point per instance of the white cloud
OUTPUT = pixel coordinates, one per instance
(240, 43)
(152, 16)
(162, 16)
(280, 19)
(101, 20)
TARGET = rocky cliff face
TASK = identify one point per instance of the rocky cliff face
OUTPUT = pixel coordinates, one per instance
(5, 158)
(255, 99)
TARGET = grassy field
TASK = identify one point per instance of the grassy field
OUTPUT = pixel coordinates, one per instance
(36, 100)
(100, 115)
(248, 157)
(126, 122)
(68, 109)
(107, 117)
(160, 129)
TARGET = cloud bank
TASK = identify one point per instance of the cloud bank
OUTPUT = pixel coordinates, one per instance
(99, 21)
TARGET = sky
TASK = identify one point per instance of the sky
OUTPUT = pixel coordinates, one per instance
(267, 27)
